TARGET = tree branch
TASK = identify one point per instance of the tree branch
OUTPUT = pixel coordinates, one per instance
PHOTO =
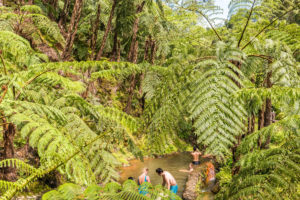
(210, 24)
(269, 58)
(2, 60)
(262, 30)
(5, 88)
(244, 30)
(30, 81)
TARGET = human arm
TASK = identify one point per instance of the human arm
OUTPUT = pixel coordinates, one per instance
(164, 180)
(207, 156)
(168, 184)
(148, 179)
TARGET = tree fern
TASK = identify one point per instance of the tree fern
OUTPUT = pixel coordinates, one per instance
(217, 119)
(263, 170)
(111, 191)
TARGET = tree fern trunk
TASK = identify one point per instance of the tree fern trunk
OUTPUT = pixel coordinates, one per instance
(63, 18)
(135, 29)
(72, 30)
(130, 94)
(95, 29)
(135, 52)
(153, 51)
(235, 157)
(119, 51)
(146, 50)
(268, 111)
(251, 124)
(261, 117)
(9, 131)
(115, 47)
(132, 82)
(108, 27)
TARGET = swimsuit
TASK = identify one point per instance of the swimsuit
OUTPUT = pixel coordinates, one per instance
(174, 188)
(196, 162)
(143, 188)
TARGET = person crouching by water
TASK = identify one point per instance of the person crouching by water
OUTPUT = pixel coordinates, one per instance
(210, 175)
(143, 178)
(168, 179)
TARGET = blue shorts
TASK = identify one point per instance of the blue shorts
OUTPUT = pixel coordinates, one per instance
(143, 190)
(174, 188)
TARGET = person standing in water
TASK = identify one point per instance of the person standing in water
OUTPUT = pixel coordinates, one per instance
(195, 154)
(143, 178)
(168, 179)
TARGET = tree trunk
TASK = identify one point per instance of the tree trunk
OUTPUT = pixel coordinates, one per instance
(153, 51)
(63, 18)
(261, 117)
(130, 94)
(72, 29)
(119, 51)
(95, 29)
(30, 2)
(135, 29)
(235, 157)
(9, 131)
(251, 124)
(268, 111)
(146, 51)
(108, 27)
(1, 3)
(135, 52)
(141, 95)
(115, 47)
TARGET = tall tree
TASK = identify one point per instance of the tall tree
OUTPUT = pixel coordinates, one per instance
(135, 29)
(95, 28)
(107, 29)
(72, 30)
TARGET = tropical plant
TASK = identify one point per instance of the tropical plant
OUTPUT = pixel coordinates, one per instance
(127, 191)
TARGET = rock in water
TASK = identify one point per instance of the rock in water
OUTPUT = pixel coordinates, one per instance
(190, 192)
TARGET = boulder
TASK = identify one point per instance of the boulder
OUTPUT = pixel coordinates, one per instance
(190, 192)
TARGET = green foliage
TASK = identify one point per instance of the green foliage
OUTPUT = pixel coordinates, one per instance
(111, 191)
(217, 119)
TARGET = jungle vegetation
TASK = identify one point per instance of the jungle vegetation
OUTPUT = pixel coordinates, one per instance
(85, 83)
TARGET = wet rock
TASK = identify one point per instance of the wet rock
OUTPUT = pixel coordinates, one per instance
(190, 192)
(216, 188)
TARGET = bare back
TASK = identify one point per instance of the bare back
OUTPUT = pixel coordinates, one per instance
(142, 178)
(195, 155)
(169, 178)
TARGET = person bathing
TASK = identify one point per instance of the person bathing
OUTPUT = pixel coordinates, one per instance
(168, 179)
(143, 178)
(195, 154)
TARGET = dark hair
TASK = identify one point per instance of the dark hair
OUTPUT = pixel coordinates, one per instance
(159, 170)
(130, 178)
(195, 148)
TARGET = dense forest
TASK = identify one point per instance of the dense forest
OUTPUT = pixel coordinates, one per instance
(88, 84)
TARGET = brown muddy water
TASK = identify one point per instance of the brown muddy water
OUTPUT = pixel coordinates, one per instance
(172, 163)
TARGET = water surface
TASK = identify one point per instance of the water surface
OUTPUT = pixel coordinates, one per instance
(172, 163)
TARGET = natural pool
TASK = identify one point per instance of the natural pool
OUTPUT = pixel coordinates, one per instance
(172, 163)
